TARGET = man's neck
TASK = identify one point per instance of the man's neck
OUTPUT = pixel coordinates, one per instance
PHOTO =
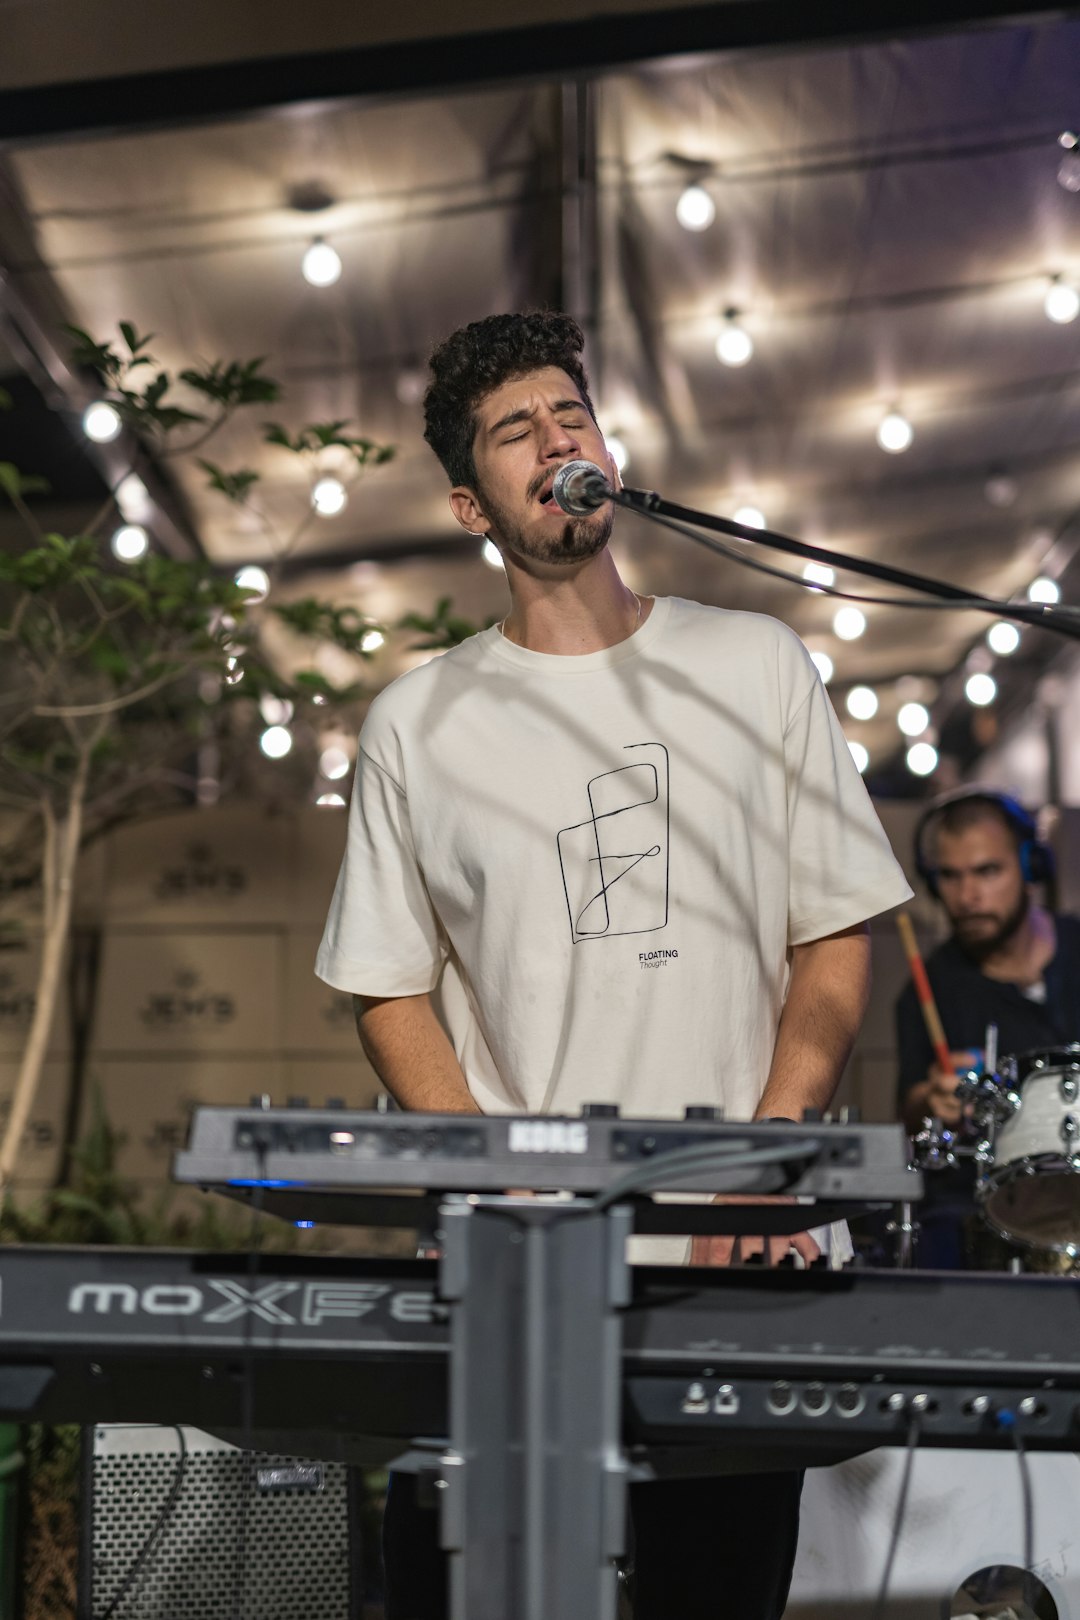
(1023, 957)
(573, 612)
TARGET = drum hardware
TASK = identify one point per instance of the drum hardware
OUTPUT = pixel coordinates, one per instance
(1023, 1135)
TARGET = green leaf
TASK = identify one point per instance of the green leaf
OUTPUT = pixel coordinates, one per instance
(17, 484)
(234, 486)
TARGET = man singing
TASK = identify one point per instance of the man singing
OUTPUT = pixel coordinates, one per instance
(626, 839)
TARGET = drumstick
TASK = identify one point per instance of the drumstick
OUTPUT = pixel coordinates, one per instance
(924, 993)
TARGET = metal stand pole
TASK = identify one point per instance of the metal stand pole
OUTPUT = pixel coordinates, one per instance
(534, 1483)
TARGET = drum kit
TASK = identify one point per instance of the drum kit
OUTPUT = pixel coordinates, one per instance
(1021, 1131)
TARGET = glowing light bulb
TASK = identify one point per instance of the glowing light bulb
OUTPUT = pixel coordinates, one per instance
(492, 555)
(101, 422)
(922, 758)
(371, 640)
(1003, 637)
(1062, 302)
(321, 265)
(1044, 590)
(816, 573)
(133, 499)
(695, 209)
(913, 719)
(734, 346)
(130, 542)
(895, 433)
(620, 455)
(859, 755)
(334, 763)
(824, 666)
(336, 799)
(254, 579)
(751, 517)
(980, 689)
(276, 711)
(849, 623)
(276, 741)
(862, 703)
(329, 497)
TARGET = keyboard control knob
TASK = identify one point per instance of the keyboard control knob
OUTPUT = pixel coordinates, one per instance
(296, 1102)
(702, 1111)
(600, 1111)
(811, 1116)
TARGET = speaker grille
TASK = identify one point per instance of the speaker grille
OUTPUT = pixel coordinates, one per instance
(241, 1542)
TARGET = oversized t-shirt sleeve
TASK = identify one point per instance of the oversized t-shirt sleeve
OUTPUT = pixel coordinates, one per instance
(382, 937)
(841, 869)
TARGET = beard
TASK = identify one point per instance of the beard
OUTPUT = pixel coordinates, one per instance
(980, 942)
(575, 541)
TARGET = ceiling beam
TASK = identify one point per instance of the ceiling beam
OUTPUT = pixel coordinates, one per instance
(441, 60)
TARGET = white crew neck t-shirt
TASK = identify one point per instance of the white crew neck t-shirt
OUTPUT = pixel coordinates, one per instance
(604, 860)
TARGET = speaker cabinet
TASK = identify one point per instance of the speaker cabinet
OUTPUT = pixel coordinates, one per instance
(213, 1532)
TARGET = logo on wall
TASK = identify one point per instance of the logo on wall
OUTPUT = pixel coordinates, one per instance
(199, 873)
(187, 1006)
(615, 862)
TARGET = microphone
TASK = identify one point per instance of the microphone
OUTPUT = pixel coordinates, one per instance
(580, 488)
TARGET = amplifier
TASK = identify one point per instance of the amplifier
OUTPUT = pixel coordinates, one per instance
(250, 1536)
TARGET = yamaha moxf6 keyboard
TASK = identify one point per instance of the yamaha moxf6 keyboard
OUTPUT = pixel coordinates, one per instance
(800, 1366)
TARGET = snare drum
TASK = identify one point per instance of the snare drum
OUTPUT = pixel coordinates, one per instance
(1029, 1190)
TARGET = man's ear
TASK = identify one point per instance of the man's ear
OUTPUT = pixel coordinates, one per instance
(466, 507)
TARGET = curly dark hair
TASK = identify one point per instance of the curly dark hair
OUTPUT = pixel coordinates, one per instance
(477, 359)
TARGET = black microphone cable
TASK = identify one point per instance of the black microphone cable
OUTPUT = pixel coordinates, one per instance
(156, 1529)
(914, 1431)
(247, 1387)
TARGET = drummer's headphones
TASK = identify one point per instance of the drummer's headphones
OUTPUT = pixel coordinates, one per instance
(1036, 858)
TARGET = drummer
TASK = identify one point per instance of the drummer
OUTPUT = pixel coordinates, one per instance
(1009, 961)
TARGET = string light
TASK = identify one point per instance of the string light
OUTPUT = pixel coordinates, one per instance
(617, 450)
(849, 623)
(824, 666)
(862, 703)
(334, 763)
(371, 640)
(1003, 637)
(321, 264)
(859, 755)
(101, 422)
(130, 542)
(133, 499)
(922, 758)
(1044, 590)
(816, 573)
(980, 689)
(895, 433)
(695, 209)
(329, 497)
(751, 517)
(1062, 301)
(335, 799)
(276, 711)
(276, 741)
(734, 346)
(254, 579)
(913, 719)
(492, 555)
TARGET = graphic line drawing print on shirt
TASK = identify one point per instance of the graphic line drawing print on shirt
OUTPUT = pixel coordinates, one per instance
(615, 865)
